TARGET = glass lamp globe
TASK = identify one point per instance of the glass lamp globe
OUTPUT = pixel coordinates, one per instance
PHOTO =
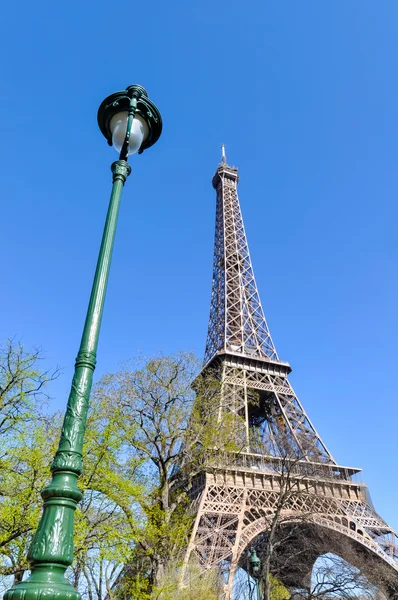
(138, 132)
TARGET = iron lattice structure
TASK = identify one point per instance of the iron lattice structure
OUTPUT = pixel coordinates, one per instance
(235, 495)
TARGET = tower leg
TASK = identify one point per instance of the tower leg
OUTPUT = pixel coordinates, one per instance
(215, 538)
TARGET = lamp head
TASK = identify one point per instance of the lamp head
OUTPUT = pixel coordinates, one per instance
(146, 125)
(254, 563)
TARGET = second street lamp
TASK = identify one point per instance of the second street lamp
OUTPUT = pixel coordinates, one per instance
(132, 123)
(255, 570)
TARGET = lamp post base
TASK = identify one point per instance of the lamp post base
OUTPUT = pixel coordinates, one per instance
(47, 582)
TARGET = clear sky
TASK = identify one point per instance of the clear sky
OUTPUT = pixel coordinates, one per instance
(304, 95)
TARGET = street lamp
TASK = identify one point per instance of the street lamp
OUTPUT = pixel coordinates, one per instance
(255, 570)
(131, 123)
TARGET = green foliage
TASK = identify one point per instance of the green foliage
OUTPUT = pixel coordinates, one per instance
(197, 585)
(23, 473)
(133, 516)
(106, 526)
(171, 428)
(278, 590)
(27, 440)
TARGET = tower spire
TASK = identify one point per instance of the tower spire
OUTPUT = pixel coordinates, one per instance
(223, 156)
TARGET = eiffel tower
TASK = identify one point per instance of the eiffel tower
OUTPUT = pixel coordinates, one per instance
(234, 496)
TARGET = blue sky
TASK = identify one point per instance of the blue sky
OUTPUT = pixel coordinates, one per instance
(304, 95)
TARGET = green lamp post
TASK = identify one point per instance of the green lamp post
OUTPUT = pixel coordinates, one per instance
(131, 123)
(255, 570)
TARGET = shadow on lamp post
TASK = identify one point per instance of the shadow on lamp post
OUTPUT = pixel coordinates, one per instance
(131, 123)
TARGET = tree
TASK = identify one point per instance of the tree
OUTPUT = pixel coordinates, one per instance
(23, 473)
(334, 577)
(155, 403)
(197, 585)
(105, 520)
(106, 523)
(106, 526)
(133, 518)
(169, 427)
(22, 385)
(26, 437)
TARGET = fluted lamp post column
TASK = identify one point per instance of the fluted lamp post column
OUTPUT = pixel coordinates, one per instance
(131, 123)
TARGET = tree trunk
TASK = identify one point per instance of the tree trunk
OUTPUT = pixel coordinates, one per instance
(158, 571)
(266, 572)
(18, 576)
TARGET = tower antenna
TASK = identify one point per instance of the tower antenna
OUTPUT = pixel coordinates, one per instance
(223, 157)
